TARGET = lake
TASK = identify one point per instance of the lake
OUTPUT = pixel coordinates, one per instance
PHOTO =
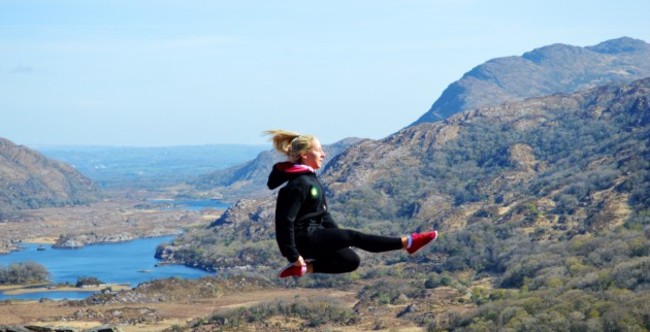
(130, 263)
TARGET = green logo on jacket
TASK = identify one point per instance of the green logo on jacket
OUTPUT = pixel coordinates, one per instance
(313, 192)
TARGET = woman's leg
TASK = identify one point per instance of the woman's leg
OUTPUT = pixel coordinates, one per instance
(332, 239)
(339, 261)
(330, 248)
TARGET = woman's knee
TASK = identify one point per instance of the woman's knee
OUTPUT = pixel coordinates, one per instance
(352, 261)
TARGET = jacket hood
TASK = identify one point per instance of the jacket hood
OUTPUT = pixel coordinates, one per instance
(285, 171)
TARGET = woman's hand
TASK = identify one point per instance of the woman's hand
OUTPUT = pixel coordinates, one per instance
(300, 262)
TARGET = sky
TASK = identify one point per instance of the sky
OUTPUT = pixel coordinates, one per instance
(169, 73)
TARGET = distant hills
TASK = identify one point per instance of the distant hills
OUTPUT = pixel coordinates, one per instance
(543, 71)
(149, 167)
(249, 179)
(30, 180)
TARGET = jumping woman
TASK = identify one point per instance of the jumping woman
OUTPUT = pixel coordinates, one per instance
(305, 231)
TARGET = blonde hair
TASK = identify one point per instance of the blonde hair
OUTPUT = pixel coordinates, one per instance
(290, 143)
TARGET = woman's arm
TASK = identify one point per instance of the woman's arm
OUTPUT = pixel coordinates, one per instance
(289, 202)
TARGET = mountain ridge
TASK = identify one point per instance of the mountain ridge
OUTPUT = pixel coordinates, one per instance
(542, 71)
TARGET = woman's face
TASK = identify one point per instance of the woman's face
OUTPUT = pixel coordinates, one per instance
(314, 156)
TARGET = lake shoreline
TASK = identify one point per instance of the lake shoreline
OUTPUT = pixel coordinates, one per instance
(43, 288)
(48, 242)
(115, 264)
(110, 219)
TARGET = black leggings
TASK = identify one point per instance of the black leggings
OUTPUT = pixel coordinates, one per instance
(330, 248)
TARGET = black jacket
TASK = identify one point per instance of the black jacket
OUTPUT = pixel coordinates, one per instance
(301, 208)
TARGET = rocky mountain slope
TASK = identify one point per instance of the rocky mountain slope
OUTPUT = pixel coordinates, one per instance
(569, 155)
(543, 71)
(555, 167)
(29, 180)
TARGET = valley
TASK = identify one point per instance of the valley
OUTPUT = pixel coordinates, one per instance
(541, 198)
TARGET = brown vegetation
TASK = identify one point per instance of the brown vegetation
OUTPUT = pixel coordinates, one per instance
(161, 303)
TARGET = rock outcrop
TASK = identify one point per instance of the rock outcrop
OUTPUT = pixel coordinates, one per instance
(74, 241)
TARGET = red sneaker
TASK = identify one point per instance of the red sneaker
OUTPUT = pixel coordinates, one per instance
(420, 240)
(293, 271)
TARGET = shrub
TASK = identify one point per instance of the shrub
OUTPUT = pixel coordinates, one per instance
(88, 281)
(313, 311)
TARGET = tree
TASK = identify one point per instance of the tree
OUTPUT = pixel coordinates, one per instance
(23, 273)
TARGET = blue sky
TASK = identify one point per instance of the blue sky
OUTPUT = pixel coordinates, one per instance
(158, 73)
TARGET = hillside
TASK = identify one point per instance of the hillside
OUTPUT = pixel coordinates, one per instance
(543, 71)
(559, 166)
(29, 180)
(543, 204)
(569, 156)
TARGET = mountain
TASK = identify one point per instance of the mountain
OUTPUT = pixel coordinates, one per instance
(30, 180)
(542, 204)
(543, 71)
(249, 179)
(551, 168)
(565, 153)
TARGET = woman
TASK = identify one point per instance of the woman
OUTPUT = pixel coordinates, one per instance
(305, 231)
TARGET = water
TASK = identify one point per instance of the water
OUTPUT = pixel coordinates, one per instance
(129, 263)
(117, 263)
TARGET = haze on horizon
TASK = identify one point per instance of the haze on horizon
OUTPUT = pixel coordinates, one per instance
(152, 73)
